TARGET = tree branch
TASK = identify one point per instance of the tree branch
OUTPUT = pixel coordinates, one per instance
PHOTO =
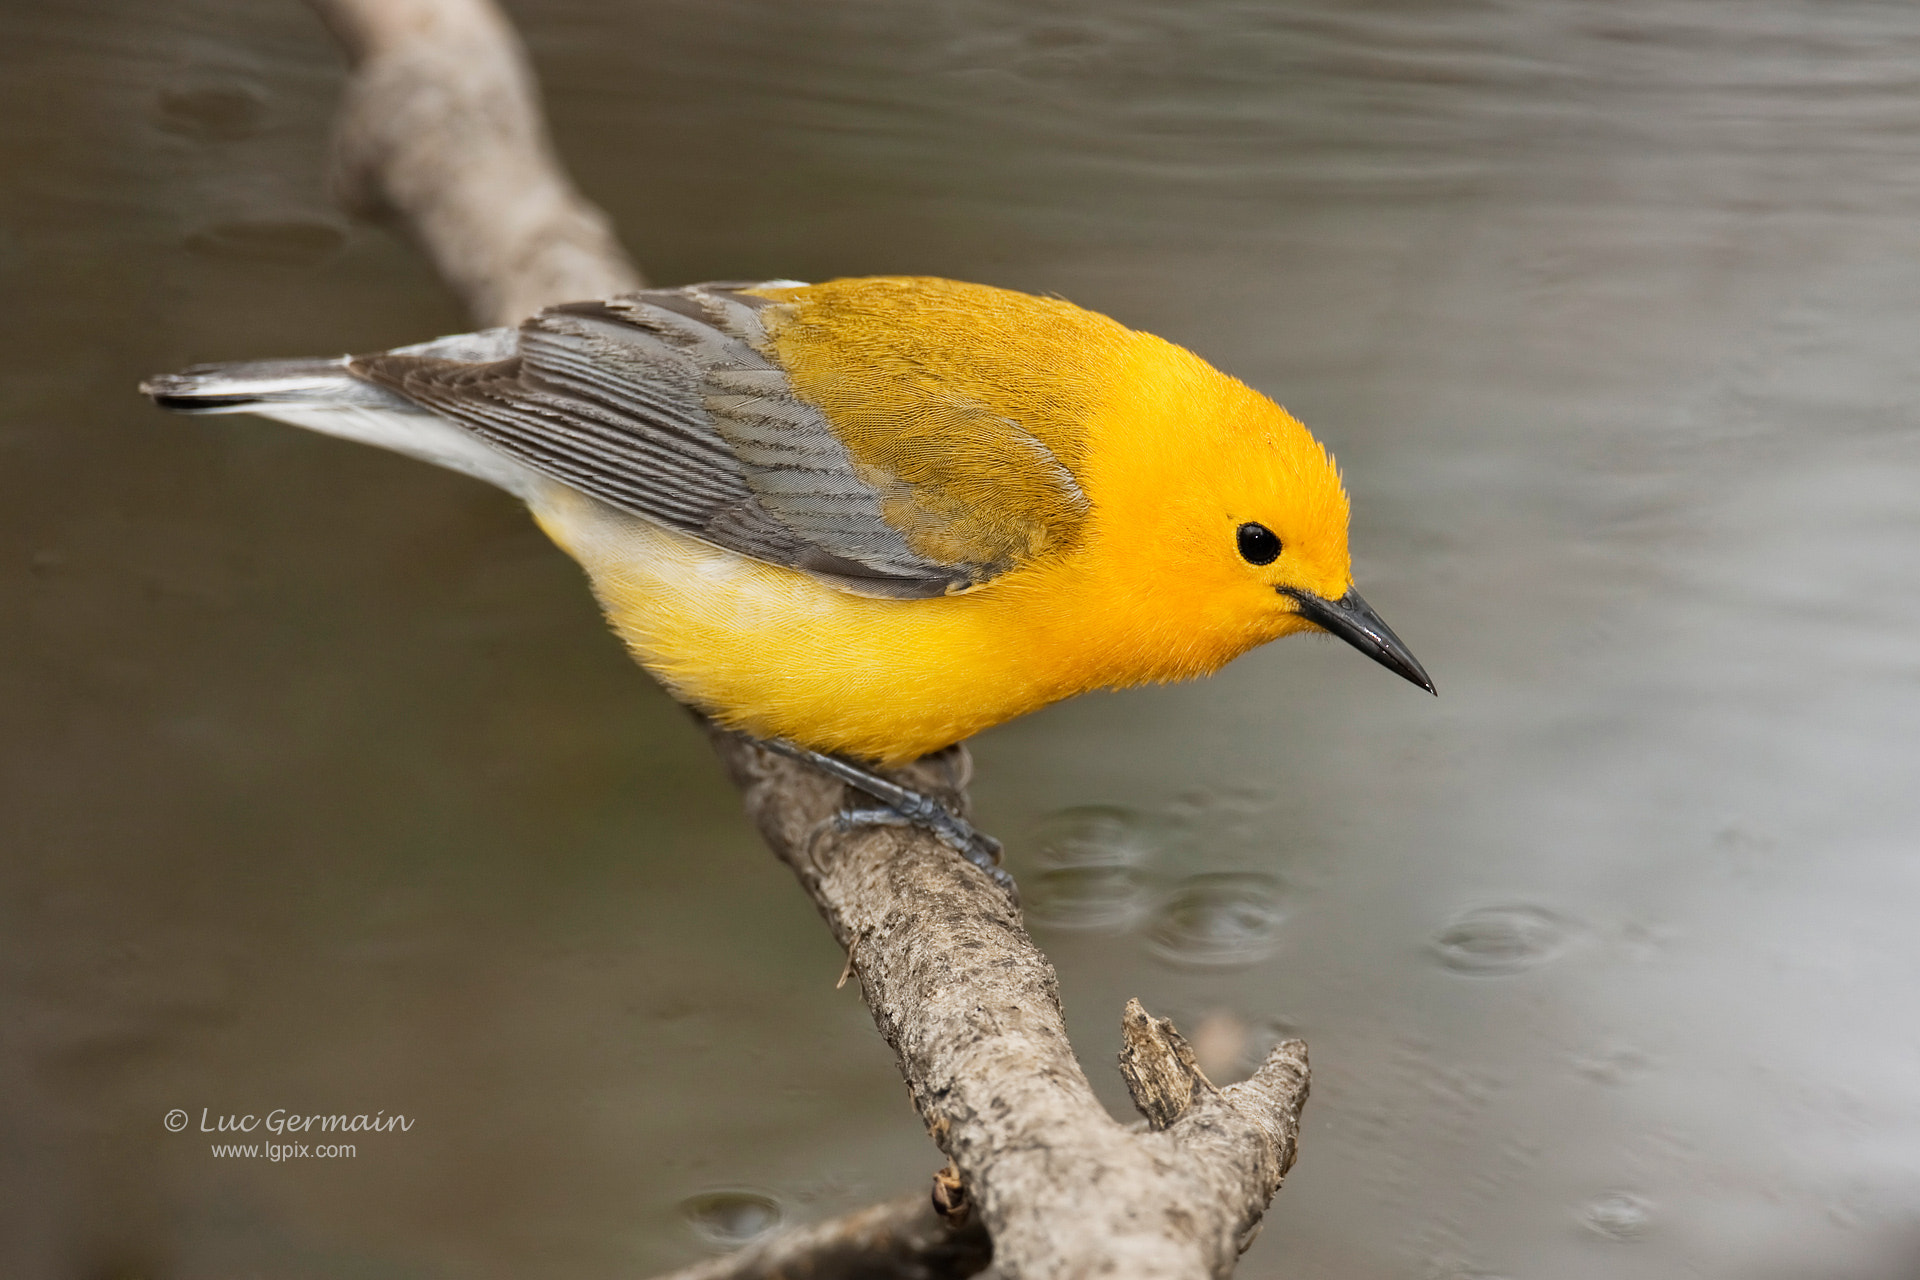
(972, 1009)
(441, 127)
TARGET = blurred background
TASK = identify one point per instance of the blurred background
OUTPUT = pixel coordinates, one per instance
(324, 787)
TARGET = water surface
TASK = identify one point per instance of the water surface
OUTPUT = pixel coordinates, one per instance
(325, 789)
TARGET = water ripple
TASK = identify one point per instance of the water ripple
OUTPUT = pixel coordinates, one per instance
(731, 1217)
(1500, 940)
(1618, 1215)
(1221, 919)
(1092, 869)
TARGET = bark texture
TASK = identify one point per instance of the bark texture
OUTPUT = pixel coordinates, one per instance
(441, 128)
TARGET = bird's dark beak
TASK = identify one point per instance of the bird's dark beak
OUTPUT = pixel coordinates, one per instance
(1353, 620)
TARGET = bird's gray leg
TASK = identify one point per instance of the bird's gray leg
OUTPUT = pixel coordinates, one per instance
(904, 806)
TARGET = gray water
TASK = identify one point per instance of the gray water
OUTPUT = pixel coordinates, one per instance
(325, 789)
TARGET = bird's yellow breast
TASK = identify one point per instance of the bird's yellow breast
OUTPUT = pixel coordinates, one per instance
(778, 653)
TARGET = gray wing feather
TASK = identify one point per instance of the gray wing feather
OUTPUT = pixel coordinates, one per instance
(659, 403)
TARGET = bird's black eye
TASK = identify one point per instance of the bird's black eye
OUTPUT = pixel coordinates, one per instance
(1258, 544)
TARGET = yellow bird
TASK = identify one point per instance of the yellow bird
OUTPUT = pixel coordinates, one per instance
(869, 518)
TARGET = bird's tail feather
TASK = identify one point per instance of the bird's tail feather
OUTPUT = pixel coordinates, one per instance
(246, 386)
(324, 395)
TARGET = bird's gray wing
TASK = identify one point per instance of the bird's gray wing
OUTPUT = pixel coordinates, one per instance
(661, 403)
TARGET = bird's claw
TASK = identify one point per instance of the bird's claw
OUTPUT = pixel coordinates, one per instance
(905, 806)
(959, 835)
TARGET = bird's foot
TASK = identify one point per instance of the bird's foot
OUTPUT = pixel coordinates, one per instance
(971, 843)
(906, 807)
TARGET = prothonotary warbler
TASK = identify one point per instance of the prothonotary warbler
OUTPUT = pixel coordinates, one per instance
(868, 518)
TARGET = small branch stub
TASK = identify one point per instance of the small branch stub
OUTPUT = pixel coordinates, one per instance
(1159, 1067)
(950, 1196)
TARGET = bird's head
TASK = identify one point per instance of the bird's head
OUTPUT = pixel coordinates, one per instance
(1235, 514)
